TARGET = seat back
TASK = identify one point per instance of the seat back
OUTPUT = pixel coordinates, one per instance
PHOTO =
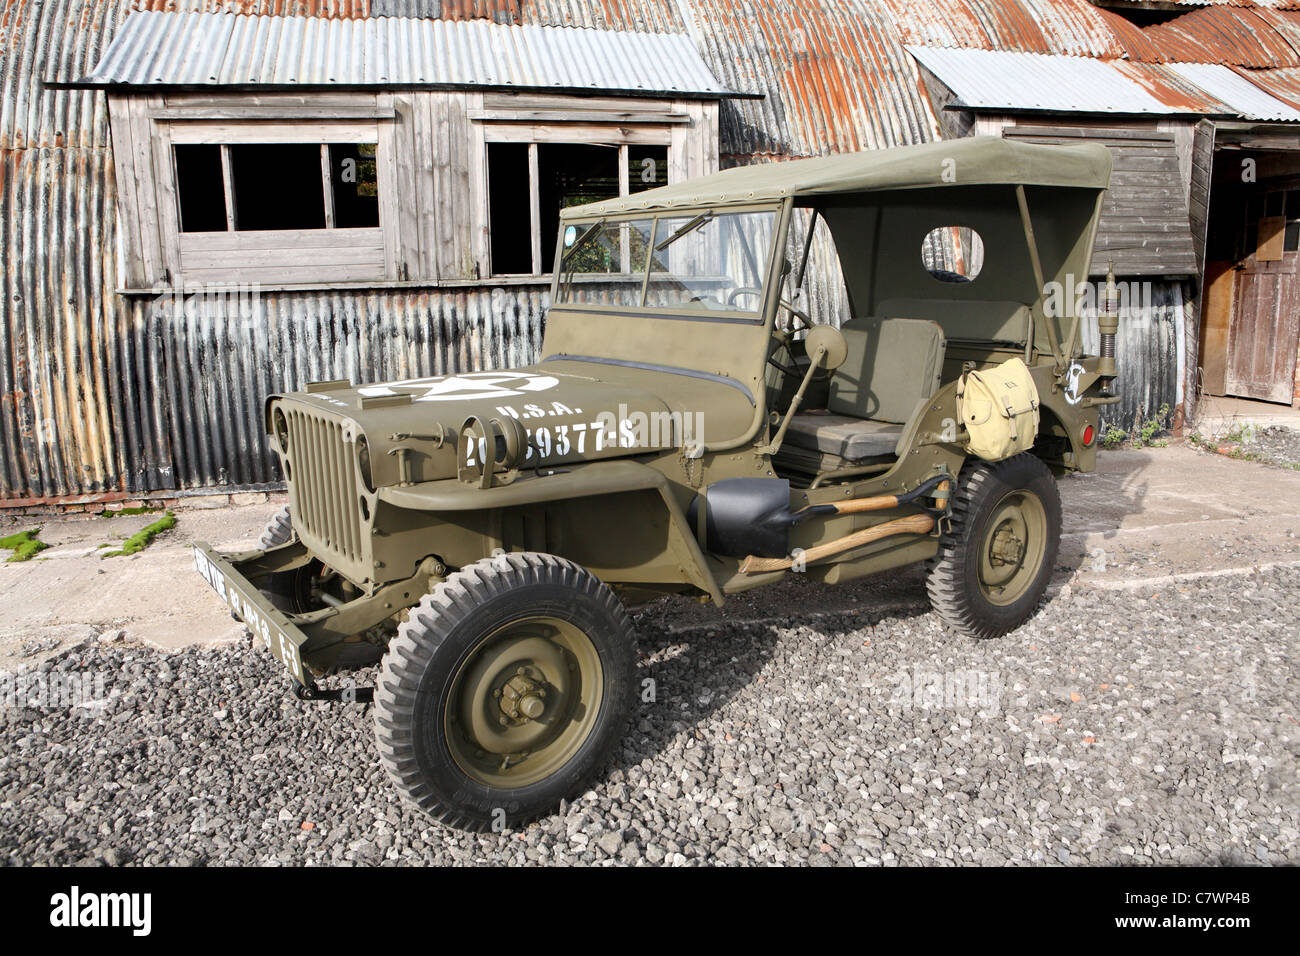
(892, 366)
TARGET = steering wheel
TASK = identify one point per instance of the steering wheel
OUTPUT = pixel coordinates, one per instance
(799, 314)
(737, 292)
(800, 319)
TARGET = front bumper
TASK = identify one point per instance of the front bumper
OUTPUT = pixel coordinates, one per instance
(282, 638)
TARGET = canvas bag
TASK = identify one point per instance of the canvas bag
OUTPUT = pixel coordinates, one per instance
(999, 407)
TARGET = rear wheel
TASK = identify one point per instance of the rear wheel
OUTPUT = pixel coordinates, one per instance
(994, 564)
(505, 690)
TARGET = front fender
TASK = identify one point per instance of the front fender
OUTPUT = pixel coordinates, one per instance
(601, 478)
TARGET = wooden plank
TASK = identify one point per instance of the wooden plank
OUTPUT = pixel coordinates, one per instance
(327, 183)
(228, 190)
(126, 176)
(265, 114)
(564, 101)
(479, 221)
(578, 133)
(405, 159)
(237, 132)
(709, 135)
(1146, 226)
(165, 185)
(1085, 131)
(270, 275)
(310, 239)
(577, 116)
(425, 175)
(459, 172)
(387, 183)
(147, 194)
(446, 203)
(194, 256)
(178, 99)
(1216, 313)
(535, 208)
(1272, 232)
(624, 234)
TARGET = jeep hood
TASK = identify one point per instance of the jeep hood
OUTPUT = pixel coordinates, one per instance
(568, 418)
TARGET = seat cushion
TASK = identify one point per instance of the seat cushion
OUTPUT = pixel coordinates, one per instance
(892, 366)
(848, 438)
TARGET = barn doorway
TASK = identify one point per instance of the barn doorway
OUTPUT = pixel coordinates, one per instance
(1250, 326)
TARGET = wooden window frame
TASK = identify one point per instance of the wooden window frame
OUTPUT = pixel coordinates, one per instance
(276, 257)
(561, 129)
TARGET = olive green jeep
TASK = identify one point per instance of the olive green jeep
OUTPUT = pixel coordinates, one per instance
(692, 426)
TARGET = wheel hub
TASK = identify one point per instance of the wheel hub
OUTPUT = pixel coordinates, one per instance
(1007, 547)
(523, 702)
(522, 698)
(1014, 544)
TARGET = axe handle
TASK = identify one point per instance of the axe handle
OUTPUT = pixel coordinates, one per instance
(912, 524)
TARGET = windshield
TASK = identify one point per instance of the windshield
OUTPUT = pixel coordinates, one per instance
(713, 261)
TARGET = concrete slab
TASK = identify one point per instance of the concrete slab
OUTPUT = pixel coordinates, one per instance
(58, 597)
(1219, 415)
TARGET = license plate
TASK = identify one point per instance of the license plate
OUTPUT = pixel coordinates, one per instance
(239, 597)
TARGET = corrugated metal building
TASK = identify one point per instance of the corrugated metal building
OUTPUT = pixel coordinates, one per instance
(116, 381)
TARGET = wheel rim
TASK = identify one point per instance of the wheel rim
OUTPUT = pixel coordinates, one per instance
(524, 702)
(1011, 553)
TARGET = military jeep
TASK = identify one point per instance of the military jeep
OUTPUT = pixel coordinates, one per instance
(693, 427)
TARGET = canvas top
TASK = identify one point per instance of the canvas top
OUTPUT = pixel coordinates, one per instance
(980, 160)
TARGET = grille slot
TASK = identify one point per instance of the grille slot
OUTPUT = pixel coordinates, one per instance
(323, 485)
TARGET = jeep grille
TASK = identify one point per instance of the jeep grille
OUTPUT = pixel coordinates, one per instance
(323, 485)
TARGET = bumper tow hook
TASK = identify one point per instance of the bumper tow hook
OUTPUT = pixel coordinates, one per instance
(343, 695)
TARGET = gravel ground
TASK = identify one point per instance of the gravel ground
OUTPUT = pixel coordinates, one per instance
(1270, 444)
(1148, 727)
(1276, 444)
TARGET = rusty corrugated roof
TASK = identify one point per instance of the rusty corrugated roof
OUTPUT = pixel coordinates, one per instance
(1275, 4)
(1172, 89)
(1030, 26)
(1284, 83)
(835, 78)
(1227, 35)
(1249, 100)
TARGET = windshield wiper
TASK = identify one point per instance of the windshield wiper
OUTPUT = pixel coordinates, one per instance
(582, 240)
(691, 226)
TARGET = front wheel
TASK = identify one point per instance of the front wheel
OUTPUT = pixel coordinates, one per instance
(994, 564)
(505, 690)
(290, 591)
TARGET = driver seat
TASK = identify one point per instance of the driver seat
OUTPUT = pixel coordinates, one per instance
(893, 365)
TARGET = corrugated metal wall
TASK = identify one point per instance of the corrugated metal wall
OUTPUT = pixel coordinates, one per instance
(223, 354)
(63, 342)
(1147, 350)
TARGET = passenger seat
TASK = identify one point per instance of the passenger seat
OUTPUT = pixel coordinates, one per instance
(892, 366)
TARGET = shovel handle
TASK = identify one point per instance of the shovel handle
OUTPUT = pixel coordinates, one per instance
(936, 489)
(912, 524)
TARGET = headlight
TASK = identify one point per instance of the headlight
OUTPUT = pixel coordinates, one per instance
(280, 426)
(363, 463)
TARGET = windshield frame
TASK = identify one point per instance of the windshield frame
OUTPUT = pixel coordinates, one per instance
(754, 316)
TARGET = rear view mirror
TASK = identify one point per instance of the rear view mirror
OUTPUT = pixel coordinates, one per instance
(831, 340)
